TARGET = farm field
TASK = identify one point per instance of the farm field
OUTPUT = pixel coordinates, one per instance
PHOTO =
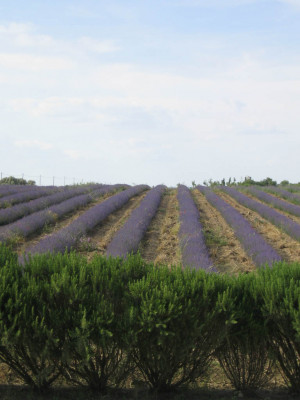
(228, 232)
(223, 229)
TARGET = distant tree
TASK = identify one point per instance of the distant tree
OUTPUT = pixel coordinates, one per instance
(247, 181)
(228, 183)
(11, 180)
(267, 182)
(284, 183)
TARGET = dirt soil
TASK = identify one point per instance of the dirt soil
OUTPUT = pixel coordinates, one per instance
(214, 387)
(48, 230)
(225, 249)
(160, 244)
(287, 247)
(102, 235)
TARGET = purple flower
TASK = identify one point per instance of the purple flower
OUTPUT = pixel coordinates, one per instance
(275, 202)
(253, 243)
(66, 238)
(280, 220)
(191, 238)
(128, 238)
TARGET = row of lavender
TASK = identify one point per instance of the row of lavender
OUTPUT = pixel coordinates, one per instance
(6, 190)
(275, 201)
(128, 238)
(11, 214)
(191, 238)
(11, 196)
(66, 238)
(26, 195)
(293, 197)
(281, 221)
(34, 222)
(192, 242)
(254, 244)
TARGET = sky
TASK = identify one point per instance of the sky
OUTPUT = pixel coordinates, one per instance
(160, 91)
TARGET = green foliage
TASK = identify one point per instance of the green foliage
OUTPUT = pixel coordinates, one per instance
(99, 338)
(214, 238)
(244, 354)
(33, 323)
(248, 181)
(180, 317)
(102, 322)
(281, 291)
(11, 180)
(284, 182)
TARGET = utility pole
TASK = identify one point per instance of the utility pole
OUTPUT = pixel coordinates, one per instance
(53, 181)
(40, 180)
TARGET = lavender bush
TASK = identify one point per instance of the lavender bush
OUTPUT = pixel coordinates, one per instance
(26, 195)
(36, 221)
(10, 214)
(127, 239)
(285, 194)
(293, 188)
(254, 244)
(67, 237)
(6, 190)
(191, 238)
(275, 202)
(283, 222)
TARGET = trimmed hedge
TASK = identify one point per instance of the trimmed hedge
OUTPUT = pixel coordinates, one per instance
(103, 322)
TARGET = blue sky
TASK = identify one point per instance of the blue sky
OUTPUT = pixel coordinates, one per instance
(153, 92)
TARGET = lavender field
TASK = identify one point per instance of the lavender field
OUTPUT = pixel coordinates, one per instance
(220, 230)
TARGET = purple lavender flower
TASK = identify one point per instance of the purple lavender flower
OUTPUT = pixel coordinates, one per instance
(274, 201)
(22, 196)
(11, 214)
(253, 243)
(67, 237)
(191, 238)
(26, 226)
(6, 190)
(283, 222)
(293, 198)
(127, 239)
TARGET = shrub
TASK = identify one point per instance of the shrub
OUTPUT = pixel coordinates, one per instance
(32, 332)
(244, 354)
(99, 335)
(281, 291)
(179, 319)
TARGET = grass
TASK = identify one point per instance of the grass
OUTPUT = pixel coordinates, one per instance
(214, 238)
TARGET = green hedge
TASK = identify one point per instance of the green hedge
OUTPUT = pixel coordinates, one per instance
(105, 322)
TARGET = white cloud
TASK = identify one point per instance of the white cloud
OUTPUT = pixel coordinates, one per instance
(98, 46)
(74, 154)
(130, 112)
(34, 63)
(23, 35)
(214, 3)
(14, 28)
(291, 2)
(34, 144)
(226, 3)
